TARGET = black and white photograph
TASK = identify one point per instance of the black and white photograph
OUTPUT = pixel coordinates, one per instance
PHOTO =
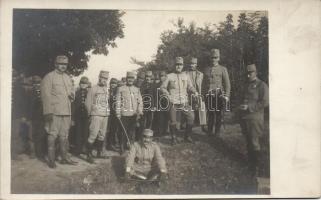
(142, 102)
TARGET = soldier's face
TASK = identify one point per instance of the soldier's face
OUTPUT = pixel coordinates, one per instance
(163, 78)
(113, 85)
(215, 60)
(103, 81)
(148, 79)
(83, 85)
(130, 80)
(147, 139)
(251, 76)
(179, 67)
(193, 66)
(62, 67)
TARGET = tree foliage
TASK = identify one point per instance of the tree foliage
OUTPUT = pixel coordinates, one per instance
(241, 44)
(40, 35)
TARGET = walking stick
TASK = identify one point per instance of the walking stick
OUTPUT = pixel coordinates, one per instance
(124, 130)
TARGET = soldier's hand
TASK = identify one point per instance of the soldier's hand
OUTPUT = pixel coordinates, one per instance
(226, 98)
(118, 116)
(48, 117)
(138, 117)
(244, 107)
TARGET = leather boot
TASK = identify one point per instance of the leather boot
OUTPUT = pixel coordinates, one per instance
(173, 134)
(188, 133)
(100, 146)
(51, 152)
(90, 158)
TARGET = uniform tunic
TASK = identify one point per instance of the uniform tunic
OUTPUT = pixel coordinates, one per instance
(143, 158)
(216, 77)
(256, 96)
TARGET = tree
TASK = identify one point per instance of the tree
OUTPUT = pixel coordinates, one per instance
(40, 35)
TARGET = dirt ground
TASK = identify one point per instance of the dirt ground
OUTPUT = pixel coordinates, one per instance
(209, 166)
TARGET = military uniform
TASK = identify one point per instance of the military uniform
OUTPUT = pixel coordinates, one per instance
(145, 159)
(56, 92)
(256, 96)
(81, 118)
(129, 106)
(176, 87)
(98, 110)
(216, 84)
(196, 101)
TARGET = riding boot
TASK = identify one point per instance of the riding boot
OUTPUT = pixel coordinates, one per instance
(100, 146)
(188, 133)
(173, 134)
(90, 158)
(51, 152)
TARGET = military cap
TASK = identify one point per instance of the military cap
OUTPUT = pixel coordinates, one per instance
(130, 74)
(215, 53)
(162, 73)
(113, 81)
(104, 74)
(251, 68)
(62, 59)
(193, 60)
(149, 74)
(84, 80)
(36, 79)
(179, 60)
(148, 133)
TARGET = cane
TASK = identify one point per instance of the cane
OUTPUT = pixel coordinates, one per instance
(122, 125)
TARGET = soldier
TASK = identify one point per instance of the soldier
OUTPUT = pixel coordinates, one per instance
(145, 160)
(98, 110)
(176, 87)
(113, 131)
(196, 101)
(56, 95)
(162, 105)
(129, 108)
(140, 79)
(216, 90)
(81, 116)
(255, 99)
(148, 92)
(38, 133)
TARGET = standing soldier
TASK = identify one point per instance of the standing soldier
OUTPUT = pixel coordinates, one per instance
(81, 116)
(161, 123)
(148, 92)
(217, 89)
(38, 132)
(113, 132)
(176, 87)
(129, 109)
(98, 111)
(140, 79)
(196, 101)
(56, 95)
(255, 99)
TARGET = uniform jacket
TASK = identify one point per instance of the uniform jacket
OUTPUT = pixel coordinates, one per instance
(97, 101)
(177, 86)
(128, 101)
(55, 89)
(256, 96)
(80, 103)
(145, 157)
(216, 77)
(196, 79)
(149, 95)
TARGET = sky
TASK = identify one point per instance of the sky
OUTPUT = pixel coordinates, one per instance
(141, 38)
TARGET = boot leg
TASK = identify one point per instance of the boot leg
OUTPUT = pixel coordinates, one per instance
(218, 123)
(188, 133)
(173, 134)
(51, 151)
(90, 158)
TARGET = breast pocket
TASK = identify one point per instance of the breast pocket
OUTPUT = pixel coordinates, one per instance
(171, 85)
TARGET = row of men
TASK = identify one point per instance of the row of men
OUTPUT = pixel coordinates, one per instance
(57, 95)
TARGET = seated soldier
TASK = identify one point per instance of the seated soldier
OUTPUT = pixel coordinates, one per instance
(145, 160)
